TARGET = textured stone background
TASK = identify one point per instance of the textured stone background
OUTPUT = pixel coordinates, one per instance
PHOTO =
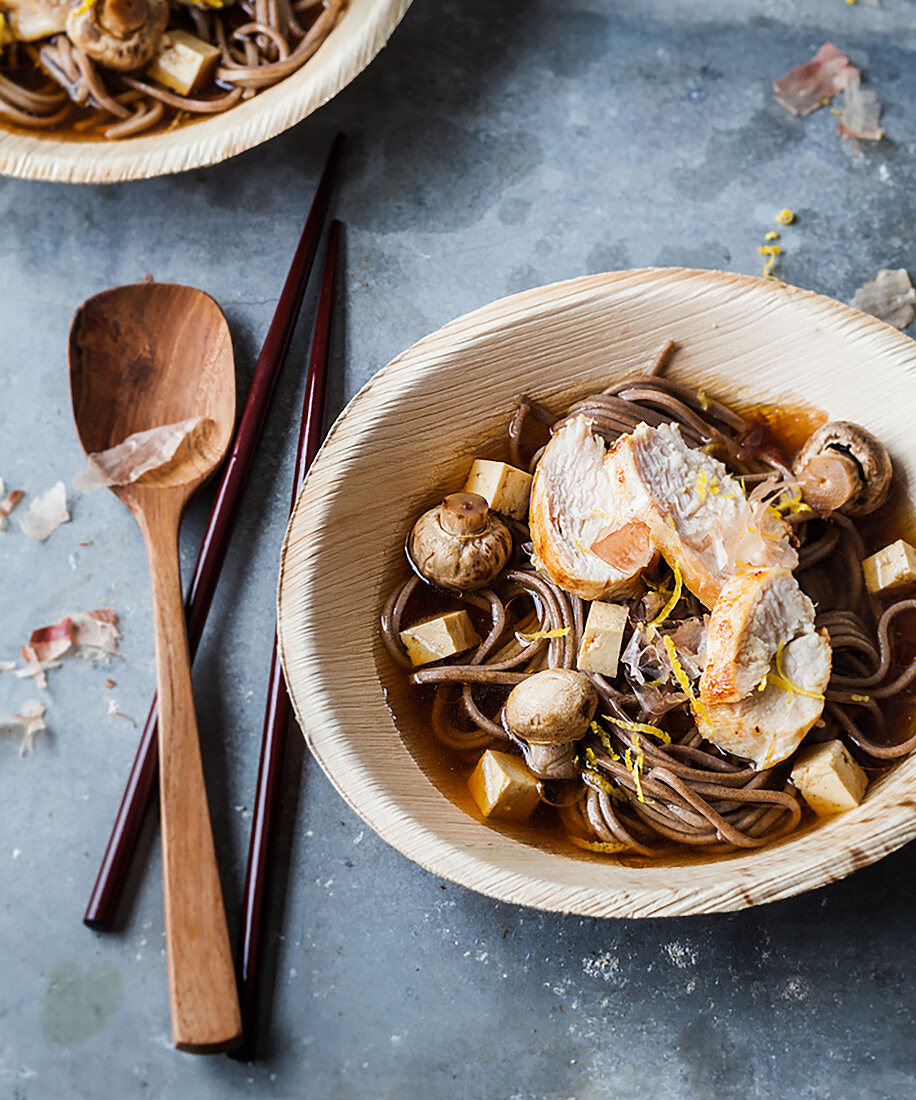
(493, 147)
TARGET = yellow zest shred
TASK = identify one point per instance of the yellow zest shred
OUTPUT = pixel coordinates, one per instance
(701, 394)
(772, 252)
(633, 767)
(672, 599)
(605, 741)
(559, 632)
(860, 698)
(785, 216)
(789, 504)
(782, 681)
(590, 772)
(641, 727)
(772, 235)
(681, 676)
(597, 845)
(762, 686)
(84, 7)
(702, 485)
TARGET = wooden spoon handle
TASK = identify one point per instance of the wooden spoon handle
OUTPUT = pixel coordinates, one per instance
(202, 987)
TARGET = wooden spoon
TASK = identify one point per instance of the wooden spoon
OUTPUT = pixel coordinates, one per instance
(141, 357)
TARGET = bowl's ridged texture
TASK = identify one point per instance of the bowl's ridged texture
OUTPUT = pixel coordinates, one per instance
(411, 433)
(361, 32)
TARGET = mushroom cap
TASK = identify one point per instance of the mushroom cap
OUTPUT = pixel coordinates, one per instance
(119, 34)
(551, 707)
(460, 544)
(843, 467)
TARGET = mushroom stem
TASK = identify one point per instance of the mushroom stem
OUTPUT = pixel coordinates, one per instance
(121, 18)
(464, 514)
(829, 480)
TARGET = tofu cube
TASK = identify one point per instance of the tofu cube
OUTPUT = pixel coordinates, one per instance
(503, 787)
(183, 62)
(891, 568)
(828, 778)
(599, 650)
(505, 488)
(441, 637)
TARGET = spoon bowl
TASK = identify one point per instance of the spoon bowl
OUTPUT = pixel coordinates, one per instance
(142, 357)
(150, 354)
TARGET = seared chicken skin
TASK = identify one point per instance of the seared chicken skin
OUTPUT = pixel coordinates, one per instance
(599, 516)
(766, 668)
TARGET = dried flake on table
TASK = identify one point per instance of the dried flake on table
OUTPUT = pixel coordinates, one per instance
(89, 633)
(890, 297)
(46, 513)
(816, 82)
(8, 503)
(860, 113)
(28, 723)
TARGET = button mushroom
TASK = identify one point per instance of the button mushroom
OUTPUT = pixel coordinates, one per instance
(844, 468)
(119, 34)
(460, 544)
(549, 712)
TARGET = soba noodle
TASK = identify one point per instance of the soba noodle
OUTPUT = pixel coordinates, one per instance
(637, 791)
(52, 83)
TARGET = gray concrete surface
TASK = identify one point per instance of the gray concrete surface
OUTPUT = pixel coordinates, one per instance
(494, 146)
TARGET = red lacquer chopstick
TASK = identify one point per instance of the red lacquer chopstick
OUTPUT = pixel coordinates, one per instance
(138, 794)
(278, 712)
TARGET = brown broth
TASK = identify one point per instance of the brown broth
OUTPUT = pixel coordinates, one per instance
(786, 427)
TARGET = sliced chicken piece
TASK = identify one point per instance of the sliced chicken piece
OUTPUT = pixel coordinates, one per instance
(756, 614)
(598, 516)
(767, 726)
(697, 514)
(34, 19)
(766, 668)
(584, 534)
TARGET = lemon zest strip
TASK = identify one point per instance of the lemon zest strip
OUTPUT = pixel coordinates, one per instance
(783, 681)
(672, 599)
(641, 727)
(681, 676)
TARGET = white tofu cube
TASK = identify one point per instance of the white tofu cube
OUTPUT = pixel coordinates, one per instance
(828, 778)
(599, 650)
(891, 568)
(503, 787)
(183, 62)
(441, 637)
(505, 488)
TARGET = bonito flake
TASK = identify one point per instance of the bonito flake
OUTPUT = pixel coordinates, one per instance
(8, 502)
(860, 114)
(889, 296)
(46, 513)
(28, 723)
(137, 455)
(809, 86)
(91, 633)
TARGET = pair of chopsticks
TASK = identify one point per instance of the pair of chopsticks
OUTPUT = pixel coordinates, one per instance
(138, 794)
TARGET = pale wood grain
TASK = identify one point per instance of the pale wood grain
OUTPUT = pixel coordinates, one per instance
(410, 435)
(143, 356)
(360, 33)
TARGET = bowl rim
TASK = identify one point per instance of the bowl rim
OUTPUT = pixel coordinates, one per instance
(359, 35)
(445, 858)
